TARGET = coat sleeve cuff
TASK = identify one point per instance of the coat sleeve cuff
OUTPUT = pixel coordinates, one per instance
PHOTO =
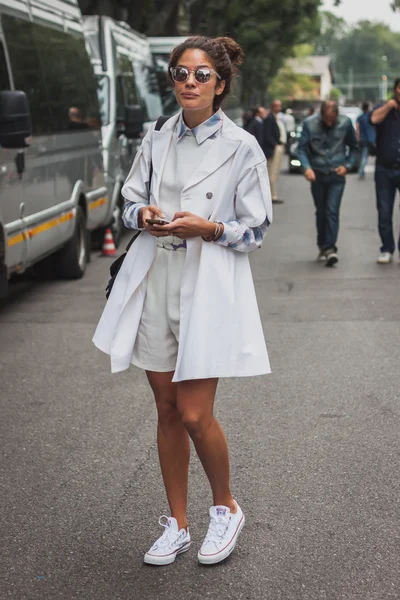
(233, 233)
(130, 216)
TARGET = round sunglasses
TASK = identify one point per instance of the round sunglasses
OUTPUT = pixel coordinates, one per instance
(201, 74)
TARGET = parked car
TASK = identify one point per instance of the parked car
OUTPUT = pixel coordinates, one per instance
(293, 162)
(52, 189)
(353, 112)
(129, 97)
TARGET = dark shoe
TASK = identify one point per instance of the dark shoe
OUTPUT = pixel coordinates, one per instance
(276, 201)
(321, 256)
(331, 258)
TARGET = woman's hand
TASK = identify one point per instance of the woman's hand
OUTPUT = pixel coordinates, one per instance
(186, 225)
(151, 212)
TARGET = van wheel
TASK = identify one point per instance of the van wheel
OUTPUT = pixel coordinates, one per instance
(3, 271)
(73, 258)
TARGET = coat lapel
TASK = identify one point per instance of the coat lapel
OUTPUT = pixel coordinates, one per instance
(221, 150)
(160, 143)
(160, 146)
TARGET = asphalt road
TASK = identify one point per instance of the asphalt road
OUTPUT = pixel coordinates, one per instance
(315, 447)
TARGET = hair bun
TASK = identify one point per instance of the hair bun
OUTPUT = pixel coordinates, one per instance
(233, 49)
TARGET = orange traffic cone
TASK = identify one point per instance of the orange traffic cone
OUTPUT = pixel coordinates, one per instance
(108, 244)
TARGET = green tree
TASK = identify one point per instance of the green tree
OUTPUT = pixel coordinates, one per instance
(335, 94)
(367, 53)
(332, 30)
(266, 29)
(288, 85)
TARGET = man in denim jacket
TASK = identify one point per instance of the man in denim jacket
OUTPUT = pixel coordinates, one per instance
(327, 150)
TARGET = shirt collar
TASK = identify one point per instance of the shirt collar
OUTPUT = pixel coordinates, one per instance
(202, 132)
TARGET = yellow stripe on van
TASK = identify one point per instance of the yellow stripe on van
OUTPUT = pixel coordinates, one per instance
(50, 224)
(97, 203)
(20, 237)
(16, 239)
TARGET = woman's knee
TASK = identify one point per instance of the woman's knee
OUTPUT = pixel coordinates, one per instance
(166, 409)
(196, 423)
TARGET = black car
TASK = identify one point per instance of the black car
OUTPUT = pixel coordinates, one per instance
(293, 142)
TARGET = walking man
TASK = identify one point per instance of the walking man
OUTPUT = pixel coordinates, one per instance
(256, 124)
(386, 118)
(323, 156)
(274, 146)
(366, 138)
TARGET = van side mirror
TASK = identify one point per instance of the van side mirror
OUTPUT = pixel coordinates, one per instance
(134, 120)
(15, 119)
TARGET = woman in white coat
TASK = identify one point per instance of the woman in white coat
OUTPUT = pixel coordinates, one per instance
(183, 306)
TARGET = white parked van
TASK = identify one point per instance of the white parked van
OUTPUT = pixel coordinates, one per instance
(52, 189)
(129, 98)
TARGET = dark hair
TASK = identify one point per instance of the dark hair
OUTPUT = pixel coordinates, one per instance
(328, 105)
(396, 83)
(255, 110)
(365, 107)
(224, 53)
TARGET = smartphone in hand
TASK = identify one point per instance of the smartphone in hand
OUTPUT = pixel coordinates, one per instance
(157, 221)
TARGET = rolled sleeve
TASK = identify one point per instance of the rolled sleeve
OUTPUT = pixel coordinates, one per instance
(241, 238)
(130, 214)
(253, 210)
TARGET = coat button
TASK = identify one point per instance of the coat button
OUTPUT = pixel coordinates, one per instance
(209, 195)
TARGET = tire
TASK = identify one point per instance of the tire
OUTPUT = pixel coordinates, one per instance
(3, 270)
(73, 258)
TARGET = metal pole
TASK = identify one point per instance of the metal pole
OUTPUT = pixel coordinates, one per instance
(350, 84)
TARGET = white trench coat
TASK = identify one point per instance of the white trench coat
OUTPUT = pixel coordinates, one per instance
(220, 328)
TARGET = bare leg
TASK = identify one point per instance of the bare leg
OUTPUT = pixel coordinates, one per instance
(195, 402)
(173, 444)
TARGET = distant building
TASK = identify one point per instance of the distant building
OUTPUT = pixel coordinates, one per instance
(319, 68)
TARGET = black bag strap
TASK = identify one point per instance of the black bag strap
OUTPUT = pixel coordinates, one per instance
(160, 122)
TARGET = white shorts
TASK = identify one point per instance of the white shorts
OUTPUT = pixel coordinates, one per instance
(156, 346)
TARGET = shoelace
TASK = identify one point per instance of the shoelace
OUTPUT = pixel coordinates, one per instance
(217, 529)
(168, 537)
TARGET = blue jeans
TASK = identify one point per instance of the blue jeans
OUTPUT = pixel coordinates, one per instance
(387, 181)
(363, 160)
(327, 191)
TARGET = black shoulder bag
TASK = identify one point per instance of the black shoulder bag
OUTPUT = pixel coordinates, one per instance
(117, 264)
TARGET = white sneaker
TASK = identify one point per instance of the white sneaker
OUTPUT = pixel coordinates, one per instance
(384, 258)
(171, 543)
(222, 534)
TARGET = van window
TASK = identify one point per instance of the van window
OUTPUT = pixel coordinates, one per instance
(4, 77)
(54, 70)
(103, 96)
(147, 82)
(127, 78)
